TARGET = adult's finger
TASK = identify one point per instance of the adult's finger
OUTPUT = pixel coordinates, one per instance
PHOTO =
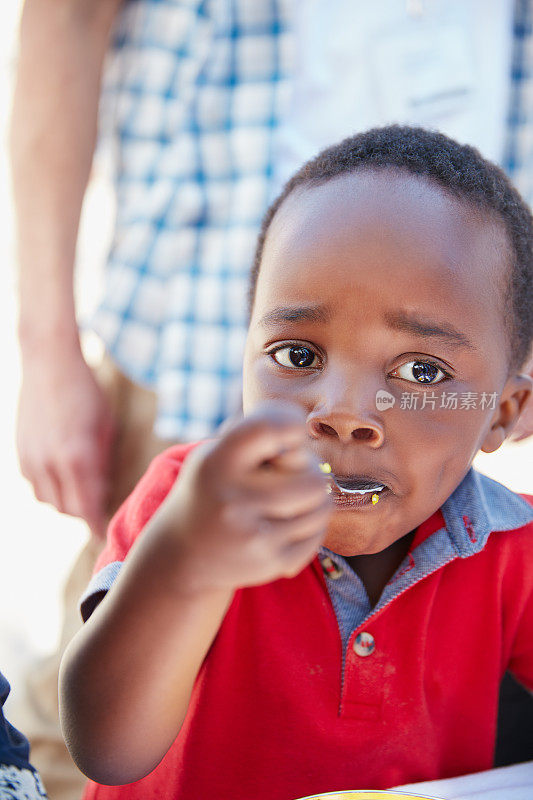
(85, 491)
(47, 488)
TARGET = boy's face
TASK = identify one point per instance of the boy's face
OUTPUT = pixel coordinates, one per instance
(379, 282)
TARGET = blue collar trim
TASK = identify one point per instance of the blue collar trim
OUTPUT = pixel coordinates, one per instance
(478, 507)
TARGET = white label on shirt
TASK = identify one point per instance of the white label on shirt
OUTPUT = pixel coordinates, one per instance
(423, 74)
(361, 64)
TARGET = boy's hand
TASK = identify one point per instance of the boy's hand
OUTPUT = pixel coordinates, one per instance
(252, 506)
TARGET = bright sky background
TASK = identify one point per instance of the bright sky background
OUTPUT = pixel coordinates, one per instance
(38, 545)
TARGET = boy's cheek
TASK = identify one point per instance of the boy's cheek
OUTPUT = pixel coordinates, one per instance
(438, 426)
(430, 455)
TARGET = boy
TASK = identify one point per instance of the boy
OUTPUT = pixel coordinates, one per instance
(392, 263)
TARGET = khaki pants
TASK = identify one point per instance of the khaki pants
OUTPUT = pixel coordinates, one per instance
(37, 712)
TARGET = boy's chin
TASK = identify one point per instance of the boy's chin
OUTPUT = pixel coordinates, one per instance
(356, 543)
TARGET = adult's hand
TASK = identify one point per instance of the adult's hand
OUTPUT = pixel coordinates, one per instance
(65, 431)
(65, 425)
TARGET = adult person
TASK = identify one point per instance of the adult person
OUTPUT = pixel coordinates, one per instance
(192, 95)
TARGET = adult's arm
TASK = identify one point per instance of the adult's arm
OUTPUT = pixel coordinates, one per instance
(65, 425)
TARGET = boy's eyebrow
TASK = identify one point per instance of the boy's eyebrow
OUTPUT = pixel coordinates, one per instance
(420, 327)
(296, 314)
(398, 321)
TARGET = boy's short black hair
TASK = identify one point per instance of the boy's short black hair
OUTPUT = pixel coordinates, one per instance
(458, 169)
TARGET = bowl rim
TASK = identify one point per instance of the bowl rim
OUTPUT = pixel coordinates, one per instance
(377, 792)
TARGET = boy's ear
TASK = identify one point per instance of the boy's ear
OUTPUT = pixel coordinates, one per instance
(515, 395)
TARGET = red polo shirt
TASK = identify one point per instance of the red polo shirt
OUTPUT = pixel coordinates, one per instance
(275, 714)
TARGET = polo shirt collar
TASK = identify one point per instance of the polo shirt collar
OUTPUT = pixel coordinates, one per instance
(478, 507)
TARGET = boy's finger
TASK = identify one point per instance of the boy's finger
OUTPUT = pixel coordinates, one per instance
(293, 460)
(289, 497)
(298, 555)
(305, 526)
(268, 433)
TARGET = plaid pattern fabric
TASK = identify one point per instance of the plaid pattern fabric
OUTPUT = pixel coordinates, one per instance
(193, 96)
(518, 153)
(193, 93)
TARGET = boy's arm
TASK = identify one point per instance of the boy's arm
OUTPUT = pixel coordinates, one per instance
(228, 521)
(133, 665)
(64, 426)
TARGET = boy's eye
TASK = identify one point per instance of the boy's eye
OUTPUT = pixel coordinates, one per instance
(295, 356)
(421, 372)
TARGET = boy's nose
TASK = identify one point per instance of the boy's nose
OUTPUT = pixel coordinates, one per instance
(346, 426)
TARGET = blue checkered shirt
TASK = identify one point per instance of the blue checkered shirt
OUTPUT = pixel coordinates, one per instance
(518, 151)
(193, 95)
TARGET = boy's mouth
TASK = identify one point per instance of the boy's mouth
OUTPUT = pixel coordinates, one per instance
(360, 484)
(358, 493)
(355, 491)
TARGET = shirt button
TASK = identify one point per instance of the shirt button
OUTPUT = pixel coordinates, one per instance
(364, 644)
(331, 570)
